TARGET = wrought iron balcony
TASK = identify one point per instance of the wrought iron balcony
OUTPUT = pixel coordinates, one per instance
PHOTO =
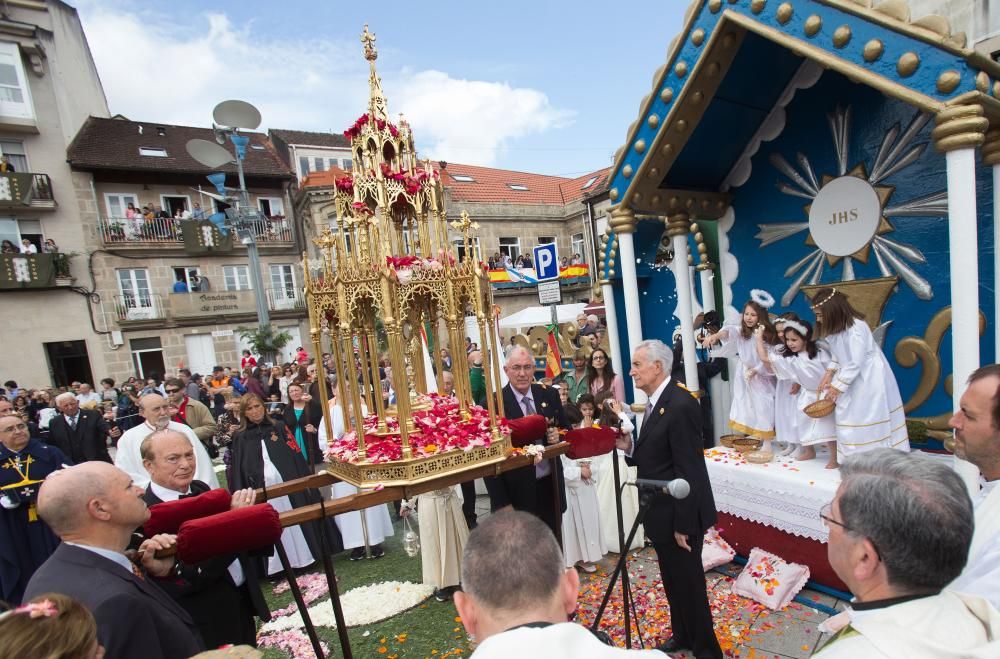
(285, 299)
(26, 190)
(169, 231)
(139, 307)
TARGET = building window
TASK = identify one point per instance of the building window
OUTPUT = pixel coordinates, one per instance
(320, 164)
(547, 240)
(578, 244)
(460, 248)
(283, 294)
(271, 206)
(15, 155)
(133, 283)
(154, 151)
(237, 277)
(187, 275)
(17, 230)
(346, 164)
(589, 182)
(117, 204)
(520, 187)
(303, 166)
(463, 178)
(510, 247)
(15, 97)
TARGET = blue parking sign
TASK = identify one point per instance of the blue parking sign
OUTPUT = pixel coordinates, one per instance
(546, 264)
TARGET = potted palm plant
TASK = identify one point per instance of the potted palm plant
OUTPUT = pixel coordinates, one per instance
(265, 341)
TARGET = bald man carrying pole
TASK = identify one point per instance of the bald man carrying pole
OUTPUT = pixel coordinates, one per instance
(94, 508)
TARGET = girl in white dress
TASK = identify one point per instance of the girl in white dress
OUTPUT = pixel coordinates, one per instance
(785, 394)
(581, 526)
(752, 411)
(803, 363)
(869, 412)
(443, 533)
(378, 524)
(613, 415)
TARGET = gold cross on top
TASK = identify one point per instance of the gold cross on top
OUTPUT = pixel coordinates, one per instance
(368, 40)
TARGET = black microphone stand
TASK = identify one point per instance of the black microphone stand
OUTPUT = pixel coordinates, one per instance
(645, 501)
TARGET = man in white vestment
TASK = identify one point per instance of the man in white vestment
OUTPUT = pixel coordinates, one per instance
(900, 527)
(977, 439)
(516, 595)
(156, 412)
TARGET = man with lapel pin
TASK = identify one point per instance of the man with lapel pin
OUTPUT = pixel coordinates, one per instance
(669, 446)
(532, 489)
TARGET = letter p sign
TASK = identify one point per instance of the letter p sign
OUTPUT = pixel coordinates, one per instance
(546, 265)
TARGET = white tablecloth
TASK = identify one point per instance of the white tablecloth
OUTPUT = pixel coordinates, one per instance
(784, 494)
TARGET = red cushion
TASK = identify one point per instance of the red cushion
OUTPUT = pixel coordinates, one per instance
(588, 442)
(168, 516)
(238, 530)
(527, 429)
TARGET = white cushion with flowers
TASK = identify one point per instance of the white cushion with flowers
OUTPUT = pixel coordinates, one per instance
(770, 580)
(715, 551)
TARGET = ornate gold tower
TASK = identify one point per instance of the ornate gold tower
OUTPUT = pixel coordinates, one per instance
(387, 256)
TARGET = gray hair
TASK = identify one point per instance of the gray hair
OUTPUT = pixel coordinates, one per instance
(915, 510)
(657, 351)
(493, 567)
(64, 396)
(516, 352)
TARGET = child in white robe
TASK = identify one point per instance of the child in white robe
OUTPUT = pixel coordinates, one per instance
(785, 397)
(801, 362)
(869, 412)
(443, 533)
(378, 524)
(613, 415)
(752, 410)
(583, 543)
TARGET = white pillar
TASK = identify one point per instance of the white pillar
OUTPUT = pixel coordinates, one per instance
(707, 289)
(677, 227)
(611, 316)
(960, 129)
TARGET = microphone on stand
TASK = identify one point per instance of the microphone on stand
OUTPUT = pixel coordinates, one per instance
(677, 488)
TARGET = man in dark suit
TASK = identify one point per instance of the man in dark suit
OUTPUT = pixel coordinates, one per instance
(537, 489)
(669, 446)
(222, 594)
(94, 508)
(81, 434)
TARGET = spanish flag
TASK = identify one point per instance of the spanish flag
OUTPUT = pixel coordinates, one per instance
(553, 362)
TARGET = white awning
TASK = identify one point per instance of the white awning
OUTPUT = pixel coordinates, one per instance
(540, 316)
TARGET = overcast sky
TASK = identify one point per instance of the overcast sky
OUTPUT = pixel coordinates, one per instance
(546, 87)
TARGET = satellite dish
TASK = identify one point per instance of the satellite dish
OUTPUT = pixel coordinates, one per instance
(208, 153)
(237, 114)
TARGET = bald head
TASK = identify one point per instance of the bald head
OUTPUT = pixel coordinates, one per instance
(93, 499)
(153, 408)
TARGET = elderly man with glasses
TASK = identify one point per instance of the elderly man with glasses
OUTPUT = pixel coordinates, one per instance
(900, 527)
(25, 540)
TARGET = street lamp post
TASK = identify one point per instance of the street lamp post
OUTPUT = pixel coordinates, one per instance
(241, 217)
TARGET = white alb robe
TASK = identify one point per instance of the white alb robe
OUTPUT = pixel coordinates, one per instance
(292, 538)
(567, 640)
(945, 626)
(869, 412)
(581, 524)
(443, 533)
(377, 520)
(981, 575)
(607, 498)
(808, 373)
(752, 411)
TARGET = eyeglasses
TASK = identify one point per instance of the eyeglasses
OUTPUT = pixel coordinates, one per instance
(17, 426)
(824, 514)
(171, 391)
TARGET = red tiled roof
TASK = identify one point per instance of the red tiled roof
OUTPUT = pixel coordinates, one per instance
(490, 185)
(311, 138)
(115, 143)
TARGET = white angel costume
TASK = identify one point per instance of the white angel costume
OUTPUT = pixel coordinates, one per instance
(785, 409)
(869, 412)
(808, 373)
(292, 538)
(752, 411)
(603, 469)
(581, 525)
(376, 518)
(443, 533)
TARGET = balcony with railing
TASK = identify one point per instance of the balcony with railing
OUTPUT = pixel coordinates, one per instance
(169, 231)
(203, 306)
(25, 190)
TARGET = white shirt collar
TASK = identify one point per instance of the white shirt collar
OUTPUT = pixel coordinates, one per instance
(986, 487)
(115, 556)
(655, 397)
(165, 494)
(520, 397)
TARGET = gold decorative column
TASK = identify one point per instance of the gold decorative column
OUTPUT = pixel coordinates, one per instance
(960, 129)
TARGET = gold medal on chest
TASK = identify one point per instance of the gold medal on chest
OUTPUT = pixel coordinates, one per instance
(274, 436)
